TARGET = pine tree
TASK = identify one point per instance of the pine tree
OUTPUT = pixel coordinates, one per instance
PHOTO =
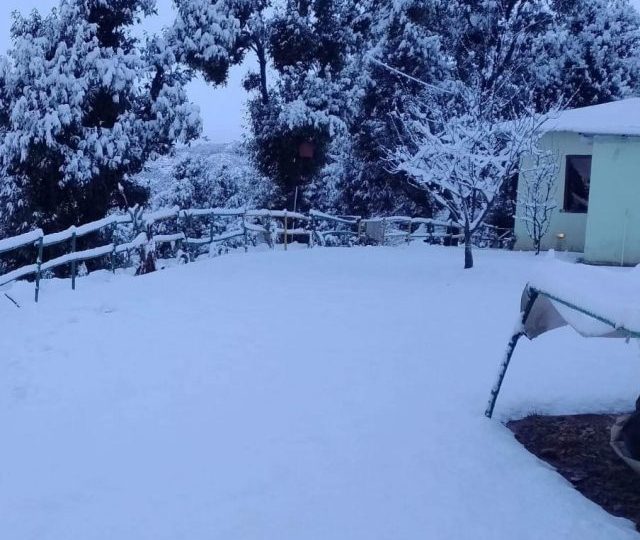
(210, 36)
(89, 105)
(312, 100)
(598, 60)
(406, 45)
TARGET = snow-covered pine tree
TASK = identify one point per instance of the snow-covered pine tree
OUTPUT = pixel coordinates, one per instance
(493, 45)
(402, 46)
(312, 98)
(212, 35)
(512, 45)
(594, 53)
(89, 105)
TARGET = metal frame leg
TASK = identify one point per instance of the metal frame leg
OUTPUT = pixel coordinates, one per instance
(511, 346)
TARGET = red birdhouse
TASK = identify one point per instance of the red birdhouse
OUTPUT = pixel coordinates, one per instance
(306, 150)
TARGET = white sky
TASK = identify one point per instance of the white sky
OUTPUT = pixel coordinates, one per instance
(222, 109)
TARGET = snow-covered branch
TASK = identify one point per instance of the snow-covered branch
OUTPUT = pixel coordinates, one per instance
(469, 146)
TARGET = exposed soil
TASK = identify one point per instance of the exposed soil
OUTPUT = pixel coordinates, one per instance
(578, 447)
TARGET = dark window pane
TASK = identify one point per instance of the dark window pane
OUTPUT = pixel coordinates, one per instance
(576, 184)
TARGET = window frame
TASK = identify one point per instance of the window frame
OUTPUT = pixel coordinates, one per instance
(566, 183)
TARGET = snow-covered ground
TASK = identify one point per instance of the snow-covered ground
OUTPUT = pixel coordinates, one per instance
(316, 394)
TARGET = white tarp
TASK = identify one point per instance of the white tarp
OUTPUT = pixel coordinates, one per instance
(595, 301)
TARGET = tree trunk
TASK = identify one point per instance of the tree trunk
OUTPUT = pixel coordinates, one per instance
(262, 60)
(468, 254)
(147, 256)
(537, 236)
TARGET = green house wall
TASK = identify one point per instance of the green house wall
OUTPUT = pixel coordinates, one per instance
(610, 232)
(613, 222)
(571, 225)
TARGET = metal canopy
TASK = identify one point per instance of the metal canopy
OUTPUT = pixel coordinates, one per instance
(542, 311)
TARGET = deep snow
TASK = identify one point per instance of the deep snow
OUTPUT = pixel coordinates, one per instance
(315, 394)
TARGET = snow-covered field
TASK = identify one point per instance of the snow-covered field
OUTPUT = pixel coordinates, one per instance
(316, 394)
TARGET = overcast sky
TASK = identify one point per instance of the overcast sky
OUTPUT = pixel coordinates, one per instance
(222, 108)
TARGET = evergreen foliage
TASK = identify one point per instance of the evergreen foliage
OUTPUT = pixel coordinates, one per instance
(88, 104)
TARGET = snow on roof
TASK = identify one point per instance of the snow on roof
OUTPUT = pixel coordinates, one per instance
(615, 118)
(608, 294)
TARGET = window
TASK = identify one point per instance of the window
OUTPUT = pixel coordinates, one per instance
(576, 184)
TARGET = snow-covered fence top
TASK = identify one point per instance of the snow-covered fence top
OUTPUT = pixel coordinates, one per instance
(218, 212)
(15, 242)
(351, 220)
(272, 226)
(414, 220)
(83, 230)
(276, 214)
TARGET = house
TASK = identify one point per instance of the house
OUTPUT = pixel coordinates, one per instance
(597, 188)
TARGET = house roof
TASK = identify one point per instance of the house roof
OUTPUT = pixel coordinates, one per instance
(615, 118)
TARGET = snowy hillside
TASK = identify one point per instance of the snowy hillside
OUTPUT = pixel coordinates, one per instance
(315, 394)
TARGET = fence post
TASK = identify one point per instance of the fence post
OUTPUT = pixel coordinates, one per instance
(313, 231)
(112, 258)
(39, 265)
(384, 231)
(73, 261)
(187, 246)
(285, 230)
(211, 224)
(244, 230)
(113, 253)
(408, 238)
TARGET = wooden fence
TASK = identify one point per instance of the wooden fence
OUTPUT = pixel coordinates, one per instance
(245, 226)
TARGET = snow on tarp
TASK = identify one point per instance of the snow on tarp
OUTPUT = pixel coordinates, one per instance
(596, 302)
(25, 239)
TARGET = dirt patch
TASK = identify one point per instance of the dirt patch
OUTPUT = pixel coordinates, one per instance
(578, 447)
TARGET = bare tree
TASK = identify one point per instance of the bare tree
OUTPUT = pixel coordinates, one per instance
(537, 193)
(461, 144)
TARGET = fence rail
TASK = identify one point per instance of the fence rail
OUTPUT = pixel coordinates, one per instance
(248, 225)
